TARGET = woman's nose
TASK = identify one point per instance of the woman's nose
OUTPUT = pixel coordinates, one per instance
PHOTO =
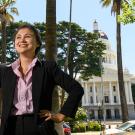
(23, 39)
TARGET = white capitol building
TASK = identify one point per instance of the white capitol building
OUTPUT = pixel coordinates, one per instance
(105, 89)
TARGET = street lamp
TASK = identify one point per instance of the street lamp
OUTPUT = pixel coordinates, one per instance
(99, 112)
(99, 115)
(69, 38)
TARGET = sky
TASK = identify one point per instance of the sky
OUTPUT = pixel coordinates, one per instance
(84, 12)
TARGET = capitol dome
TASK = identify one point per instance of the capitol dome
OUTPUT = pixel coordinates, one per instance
(103, 35)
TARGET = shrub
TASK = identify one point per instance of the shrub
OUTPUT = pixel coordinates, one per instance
(94, 126)
(79, 127)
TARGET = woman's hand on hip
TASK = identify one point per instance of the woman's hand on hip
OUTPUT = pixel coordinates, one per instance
(58, 117)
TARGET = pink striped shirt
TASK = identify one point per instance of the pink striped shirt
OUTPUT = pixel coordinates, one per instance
(22, 102)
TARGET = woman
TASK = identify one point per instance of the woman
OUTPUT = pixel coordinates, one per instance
(27, 87)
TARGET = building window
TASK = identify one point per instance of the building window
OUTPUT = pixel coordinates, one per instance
(90, 88)
(114, 88)
(115, 99)
(117, 113)
(106, 99)
(108, 114)
(91, 99)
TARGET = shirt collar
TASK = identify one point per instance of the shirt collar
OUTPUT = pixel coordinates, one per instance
(16, 64)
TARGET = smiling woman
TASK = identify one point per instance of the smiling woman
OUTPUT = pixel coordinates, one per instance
(25, 43)
(27, 99)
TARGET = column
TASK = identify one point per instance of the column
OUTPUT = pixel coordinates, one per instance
(94, 94)
(117, 86)
(130, 92)
(96, 114)
(127, 92)
(120, 113)
(84, 96)
(110, 93)
(104, 114)
(87, 94)
(112, 114)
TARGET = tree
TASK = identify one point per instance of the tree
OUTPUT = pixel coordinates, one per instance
(116, 8)
(92, 53)
(128, 12)
(50, 36)
(78, 38)
(51, 50)
(5, 16)
(85, 50)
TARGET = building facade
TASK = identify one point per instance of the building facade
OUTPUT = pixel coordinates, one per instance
(102, 98)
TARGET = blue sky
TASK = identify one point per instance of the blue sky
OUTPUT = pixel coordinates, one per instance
(84, 13)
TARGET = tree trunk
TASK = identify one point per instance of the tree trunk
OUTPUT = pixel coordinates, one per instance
(51, 52)
(50, 36)
(124, 108)
(3, 55)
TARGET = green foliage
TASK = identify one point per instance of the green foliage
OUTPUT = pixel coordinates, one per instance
(81, 114)
(92, 52)
(83, 126)
(85, 50)
(78, 38)
(128, 12)
(79, 118)
(94, 126)
(79, 127)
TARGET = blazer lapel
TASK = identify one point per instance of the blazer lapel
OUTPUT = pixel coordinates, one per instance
(37, 78)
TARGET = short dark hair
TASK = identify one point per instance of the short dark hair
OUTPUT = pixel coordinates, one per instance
(36, 33)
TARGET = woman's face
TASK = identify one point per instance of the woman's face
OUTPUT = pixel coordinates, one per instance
(25, 42)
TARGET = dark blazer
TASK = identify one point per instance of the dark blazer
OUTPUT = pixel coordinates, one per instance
(45, 76)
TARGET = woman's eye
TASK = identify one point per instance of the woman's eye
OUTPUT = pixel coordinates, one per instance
(18, 37)
(28, 36)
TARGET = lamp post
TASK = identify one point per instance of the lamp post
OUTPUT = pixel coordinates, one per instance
(99, 112)
(99, 116)
(69, 38)
(102, 110)
(68, 49)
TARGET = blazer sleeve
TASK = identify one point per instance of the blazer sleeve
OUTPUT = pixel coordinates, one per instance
(71, 86)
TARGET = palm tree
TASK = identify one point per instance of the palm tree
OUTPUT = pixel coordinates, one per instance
(50, 36)
(116, 8)
(5, 18)
(51, 51)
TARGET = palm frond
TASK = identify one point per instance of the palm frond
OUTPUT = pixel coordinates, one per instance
(114, 7)
(6, 8)
(14, 11)
(9, 18)
(105, 3)
(12, 3)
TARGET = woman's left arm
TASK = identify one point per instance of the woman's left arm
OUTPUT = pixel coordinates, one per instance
(71, 86)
